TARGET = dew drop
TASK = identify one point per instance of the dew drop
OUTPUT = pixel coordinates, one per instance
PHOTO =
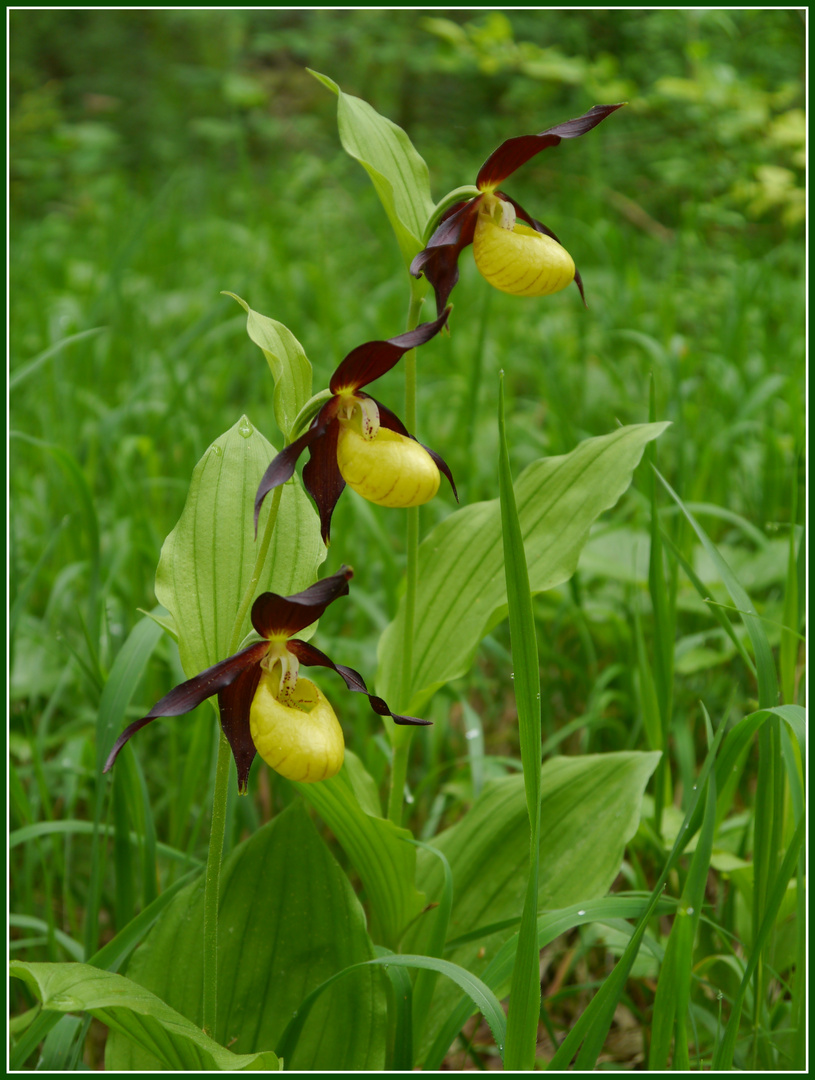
(215, 450)
(581, 912)
(512, 674)
(689, 911)
(245, 428)
(694, 787)
(471, 734)
(294, 1014)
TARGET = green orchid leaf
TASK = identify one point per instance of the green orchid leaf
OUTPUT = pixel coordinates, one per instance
(288, 920)
(375, 846)
(590, 807)
(462, 589)
(208, 559)
(287, 361)
(133, 1013)
(397, 171)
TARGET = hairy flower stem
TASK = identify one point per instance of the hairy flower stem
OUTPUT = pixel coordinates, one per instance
(401, 748)
(216, 836)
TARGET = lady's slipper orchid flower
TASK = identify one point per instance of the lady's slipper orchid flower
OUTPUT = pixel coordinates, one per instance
(526, 260)
(266, 706)
(355, 440)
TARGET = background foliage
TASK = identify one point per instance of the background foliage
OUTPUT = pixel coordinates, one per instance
(159, 157)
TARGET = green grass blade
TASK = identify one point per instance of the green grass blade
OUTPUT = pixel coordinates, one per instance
(716, 610)
(525, 991)
(673, 988)
(119, 689)
(481, 995)
(664, 633)
(723, 1057)
(426, 978)
(400, 1015)
(765, 666)
(596, 1019)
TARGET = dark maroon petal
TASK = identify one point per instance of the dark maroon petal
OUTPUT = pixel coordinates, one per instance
(439, 260)
(282, 468)
(185, 697)
(391, 420)
(541, 228)
(275, 615)
(371, 360)
(322, 477)
(311, 657)
(235, 703)
(513, 153)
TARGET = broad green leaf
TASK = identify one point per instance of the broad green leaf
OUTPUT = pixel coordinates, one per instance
(288, 920)
(590, 807)
(462, 591)
(109, 957)
(398, 173)
(376, 847)
(207, 561)
(135, 1014)
(287, 362)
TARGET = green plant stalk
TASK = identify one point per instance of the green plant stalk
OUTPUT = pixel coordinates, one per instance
(525, 989)
(401, 746)
(212, 880)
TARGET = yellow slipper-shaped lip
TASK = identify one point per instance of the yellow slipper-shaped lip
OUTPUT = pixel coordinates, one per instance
(520, 260)
(389, 469)
(301, 739)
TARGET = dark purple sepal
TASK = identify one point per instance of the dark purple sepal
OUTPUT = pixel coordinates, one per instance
(282, 467)
(513, 153)
(235, 704)
(439, 260)
(371, 360)
(309, 656)
(322, 477)
(275, 616)
(541, 228)
(187, 695)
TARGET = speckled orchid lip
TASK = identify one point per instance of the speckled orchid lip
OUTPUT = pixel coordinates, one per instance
(456, 229)
(235, 680)
(322, 476)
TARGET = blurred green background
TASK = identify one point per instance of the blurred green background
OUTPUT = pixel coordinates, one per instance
(161, 156)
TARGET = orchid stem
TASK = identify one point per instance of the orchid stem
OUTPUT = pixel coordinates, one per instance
(212, 886)
(212, 881)
(401, 748)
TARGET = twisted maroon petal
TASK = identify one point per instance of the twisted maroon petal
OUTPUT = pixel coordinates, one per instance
(439, 260)
(513, 153)
(274, 615)
(391, 420)
(311, 657)
(541, 228)
(282, 467)
(184, 697)
(322, 477)
(235, 703)
(371, 360)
